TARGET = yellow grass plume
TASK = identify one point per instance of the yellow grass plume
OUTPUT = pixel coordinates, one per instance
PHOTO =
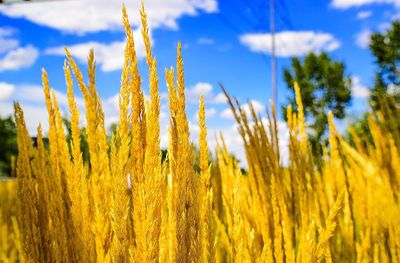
(124, 203)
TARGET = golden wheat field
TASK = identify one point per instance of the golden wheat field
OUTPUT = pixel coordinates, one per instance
(127, 204)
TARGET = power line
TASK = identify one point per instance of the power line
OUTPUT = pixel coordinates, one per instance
(284, 14)
(277, 11)
(241, 15)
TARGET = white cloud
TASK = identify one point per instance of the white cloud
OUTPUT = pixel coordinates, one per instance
(210, 112)
(6, 90)
(227, 114)
(205, 41)
(15, 57)
(32, 100)
(291, 43)
(258, 108)
(358, 90)
(393, 89)
(363, 14)
(6, 108)
(344, 4)
(208, 6)
(6, 42)
(109, 56)
(200, 89)
(206, 90)
(34, 115)
(6, 31)
(19, 58)
(234, 141)
(363, 38)
(220, 98)
(34, 94)
(231, 136)
(85, 16)
(386, 25)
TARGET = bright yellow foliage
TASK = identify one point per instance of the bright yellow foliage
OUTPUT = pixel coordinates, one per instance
(125, 205)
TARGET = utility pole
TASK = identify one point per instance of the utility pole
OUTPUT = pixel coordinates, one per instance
(273, 55)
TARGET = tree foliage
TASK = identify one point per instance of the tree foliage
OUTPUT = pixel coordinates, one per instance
(8, 143)
(83, 139)
(386, 49)
(325, 87)
(385, 93)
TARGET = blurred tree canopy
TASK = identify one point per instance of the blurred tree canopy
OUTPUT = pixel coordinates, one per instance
(386, 49)
(8, 143)
(84, 142)
(324, 87)
(385, 92)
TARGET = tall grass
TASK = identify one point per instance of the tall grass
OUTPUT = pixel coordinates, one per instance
(125, 204)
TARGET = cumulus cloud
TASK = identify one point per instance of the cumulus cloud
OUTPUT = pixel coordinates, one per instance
(6, 41)
(229, 132)
(234, 140)
(227, 114)
(359, 90)
(22, 57)
(32, 101)
(220, 98)
(393, 89)
(6, 31)
(206, 90)
(210, 112)
(34, 94)
(7, 44)
(344, 4)
(31, 98)
(86, 16)
(363, 15)
(291, 43)
(200, 89)
(6, 90)
(258, 108)
(13, 56)
(109, 56)
(34, 115)
(205, 41)
(363, 38)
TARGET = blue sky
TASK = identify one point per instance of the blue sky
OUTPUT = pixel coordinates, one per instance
(224, 41)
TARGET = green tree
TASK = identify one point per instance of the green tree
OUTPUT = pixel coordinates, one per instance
(84, 142)
(8, 144)
(360, 128)
(385, 92)
(386, 49)
(324, 86)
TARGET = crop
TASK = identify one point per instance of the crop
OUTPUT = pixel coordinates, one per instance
(126, 204)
